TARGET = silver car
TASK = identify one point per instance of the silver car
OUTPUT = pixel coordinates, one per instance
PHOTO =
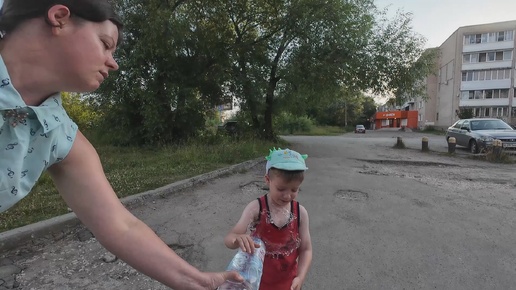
(478, 134)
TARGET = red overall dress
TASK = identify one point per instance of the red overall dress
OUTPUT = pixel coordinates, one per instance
(282, 247)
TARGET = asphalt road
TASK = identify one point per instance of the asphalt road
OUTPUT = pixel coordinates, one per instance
(380, 218)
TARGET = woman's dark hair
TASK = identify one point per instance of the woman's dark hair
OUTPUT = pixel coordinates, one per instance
(15, 12)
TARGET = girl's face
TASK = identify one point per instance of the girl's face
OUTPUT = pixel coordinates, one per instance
(86, 54)
(282, 192)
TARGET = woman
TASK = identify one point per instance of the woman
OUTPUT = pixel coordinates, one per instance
(49, 46)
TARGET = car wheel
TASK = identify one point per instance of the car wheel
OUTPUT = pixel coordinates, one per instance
(473, 147)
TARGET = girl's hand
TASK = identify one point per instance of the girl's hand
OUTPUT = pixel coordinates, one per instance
(245, 243)
(296, 284)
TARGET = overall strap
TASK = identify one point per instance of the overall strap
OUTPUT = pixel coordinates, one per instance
(295, 212)
(262, 201)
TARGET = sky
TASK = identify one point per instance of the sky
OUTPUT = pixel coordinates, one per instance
(436, 20)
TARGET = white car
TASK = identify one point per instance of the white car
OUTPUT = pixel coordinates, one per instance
(360, 129)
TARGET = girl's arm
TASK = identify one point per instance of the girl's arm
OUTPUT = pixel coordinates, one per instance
(305, 249)
(237, 237)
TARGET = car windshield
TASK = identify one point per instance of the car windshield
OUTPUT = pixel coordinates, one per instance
(489, 125)
(360, 126)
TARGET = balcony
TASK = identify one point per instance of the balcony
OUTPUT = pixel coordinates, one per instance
(488, 46)
(487, 65)
(484, 102)
(485, 85)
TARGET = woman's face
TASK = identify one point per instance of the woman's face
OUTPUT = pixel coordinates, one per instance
(86, 54)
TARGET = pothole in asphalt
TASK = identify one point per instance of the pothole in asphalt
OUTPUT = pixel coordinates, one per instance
(254, 188)
(409, 162)
(373, 172)
(352, 195)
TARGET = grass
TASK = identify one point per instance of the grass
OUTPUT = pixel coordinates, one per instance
(135, 170)
(502, 156)
(433, 131)
(320, 131)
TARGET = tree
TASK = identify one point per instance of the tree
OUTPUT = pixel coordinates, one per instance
(172, 73)
(465, 113)
(180, 59)
(80, 110)
(399, 59)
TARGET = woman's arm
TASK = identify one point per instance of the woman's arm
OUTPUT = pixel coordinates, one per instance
(82, 183)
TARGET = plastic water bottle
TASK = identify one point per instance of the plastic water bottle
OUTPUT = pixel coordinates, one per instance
(249, 266)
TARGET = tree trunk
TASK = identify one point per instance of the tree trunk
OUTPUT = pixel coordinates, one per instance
(269, 99)
(268, 133)
(345, 114)
(248, 96)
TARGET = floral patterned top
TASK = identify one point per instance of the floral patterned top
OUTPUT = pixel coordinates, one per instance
(32, 138)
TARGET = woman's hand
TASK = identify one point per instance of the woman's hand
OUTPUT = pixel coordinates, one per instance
(218, 279)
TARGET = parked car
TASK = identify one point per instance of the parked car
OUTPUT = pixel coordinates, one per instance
(360, 129)
(478, 134)
(229, 128)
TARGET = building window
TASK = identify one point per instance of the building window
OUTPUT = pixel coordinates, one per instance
(481, 75)
(500, 74)
(485, 94)
(507, 55)
(489, 37)
(465, 95)
(501, 36)
(500, 112)
(487, 56)
(490, 56)
(504, 93)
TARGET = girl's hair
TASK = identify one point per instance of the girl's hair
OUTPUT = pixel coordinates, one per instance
(15, 12)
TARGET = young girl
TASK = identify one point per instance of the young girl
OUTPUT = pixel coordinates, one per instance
(280, 221)
(49, 46)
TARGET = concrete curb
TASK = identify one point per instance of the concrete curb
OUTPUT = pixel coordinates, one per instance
(19, 236)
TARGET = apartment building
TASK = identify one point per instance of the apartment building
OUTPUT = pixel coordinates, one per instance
(476, 73)
(417, 113)
(425, 105)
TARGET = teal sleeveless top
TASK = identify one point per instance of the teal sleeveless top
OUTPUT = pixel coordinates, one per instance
(32, 138)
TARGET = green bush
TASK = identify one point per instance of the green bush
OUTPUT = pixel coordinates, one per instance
(287, 123)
